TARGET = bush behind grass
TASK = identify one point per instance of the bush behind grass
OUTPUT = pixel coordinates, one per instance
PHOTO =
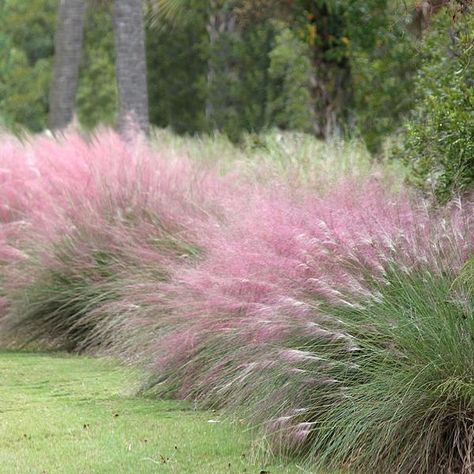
(439, 136)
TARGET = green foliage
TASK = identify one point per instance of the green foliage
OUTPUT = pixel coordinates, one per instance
(223, 75)
(411, 375)
(252, 89)
(53, 309)
(26, 48)
(290, 72)
(177, 69)
(247, 92)
(26, 61)
(96, 98)
(383, 80)
(179, 57)
(238, 95)
(439, 137)
(464, 284)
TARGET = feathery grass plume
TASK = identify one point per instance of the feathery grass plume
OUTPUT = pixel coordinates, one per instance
(340, 320)
(402, 402)
(111, 206)
(17, 174)
(297, 159)
(307, 315)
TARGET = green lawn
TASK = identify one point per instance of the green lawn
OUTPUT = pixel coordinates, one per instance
(65, 414)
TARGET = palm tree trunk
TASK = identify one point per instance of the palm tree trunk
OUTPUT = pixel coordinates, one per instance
(67, 58)
(130, 63)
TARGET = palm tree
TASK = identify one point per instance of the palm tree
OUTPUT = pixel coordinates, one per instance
(130, 63)
(129, 58)
(68, 48)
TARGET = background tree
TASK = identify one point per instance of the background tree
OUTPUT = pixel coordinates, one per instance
(332, 31)
(26, 57)
(130, 61)
(177, 59)
(438, 139)
(26, 63)
(221, 72)
(67, 57)
(289, 102)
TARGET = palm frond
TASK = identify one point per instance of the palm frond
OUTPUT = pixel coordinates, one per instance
(171, 10)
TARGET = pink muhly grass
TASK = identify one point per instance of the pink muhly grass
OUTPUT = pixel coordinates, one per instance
(271, 290)
(240, 294)
(277, 253)
(269, 274)
(45, 175)
(97, 210)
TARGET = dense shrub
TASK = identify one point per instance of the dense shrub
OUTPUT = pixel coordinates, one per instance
(384, 79)
(439, 138)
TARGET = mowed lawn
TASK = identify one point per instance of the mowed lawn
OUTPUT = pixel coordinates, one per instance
(66, 414)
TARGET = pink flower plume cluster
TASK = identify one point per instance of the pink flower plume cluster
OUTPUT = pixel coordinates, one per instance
(213, 283)
(81, 208)
(280, 259)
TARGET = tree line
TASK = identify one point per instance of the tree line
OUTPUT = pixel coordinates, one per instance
(325, 67)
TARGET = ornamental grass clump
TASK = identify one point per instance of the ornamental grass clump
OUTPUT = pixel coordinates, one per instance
(408, 405)
(340, 325)
(110, 209)
(400, 400)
